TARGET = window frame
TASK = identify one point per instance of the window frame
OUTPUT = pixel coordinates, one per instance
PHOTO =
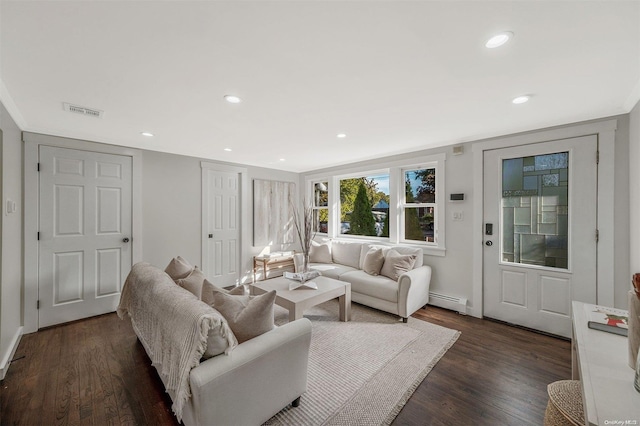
(404, 205)
(312, 189)
(337, 222)
(395, 170)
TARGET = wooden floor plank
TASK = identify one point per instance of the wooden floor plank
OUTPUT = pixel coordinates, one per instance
(95, 372)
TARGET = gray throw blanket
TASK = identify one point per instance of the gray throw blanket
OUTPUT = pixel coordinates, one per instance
(172, 325)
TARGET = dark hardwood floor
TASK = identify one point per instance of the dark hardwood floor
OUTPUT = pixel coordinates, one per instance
(95, 372)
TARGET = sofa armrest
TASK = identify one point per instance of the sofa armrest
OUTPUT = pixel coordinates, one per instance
(256, 380)
(413, 289)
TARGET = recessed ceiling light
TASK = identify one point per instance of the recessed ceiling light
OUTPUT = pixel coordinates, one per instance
(232, 99)
(282, 159)
(341, 135)
(521, 99)
(147, 134)
(499, 39)
(228, 149)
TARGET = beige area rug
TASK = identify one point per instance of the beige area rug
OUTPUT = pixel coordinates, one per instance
(362, 372)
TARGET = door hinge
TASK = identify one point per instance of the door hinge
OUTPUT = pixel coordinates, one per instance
(598, 157)
(38, 168)
(38, 235)
(597, 235)
(38, 304)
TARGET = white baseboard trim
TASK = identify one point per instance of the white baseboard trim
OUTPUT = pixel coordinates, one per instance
(6, 361)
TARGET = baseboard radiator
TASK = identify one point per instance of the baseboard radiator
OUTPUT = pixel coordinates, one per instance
(458, 304)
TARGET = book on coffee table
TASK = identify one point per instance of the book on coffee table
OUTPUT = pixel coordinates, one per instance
(608, 319)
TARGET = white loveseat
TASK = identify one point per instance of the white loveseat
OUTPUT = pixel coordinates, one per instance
(241, 384)
(345, 261)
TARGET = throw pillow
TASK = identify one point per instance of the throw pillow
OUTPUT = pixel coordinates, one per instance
(248, 316)
(346, 253)
(193, 282)
(220, 338)
(320, 253)
(373, 261)
(178, 268)
(208, 289)
(396, 264)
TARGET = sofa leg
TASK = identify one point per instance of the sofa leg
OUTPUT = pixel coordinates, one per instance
(296, 402)
(404, 320)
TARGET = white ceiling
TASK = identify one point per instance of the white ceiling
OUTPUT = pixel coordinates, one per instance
(394, 76)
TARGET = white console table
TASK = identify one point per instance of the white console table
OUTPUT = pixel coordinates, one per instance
(599, 361)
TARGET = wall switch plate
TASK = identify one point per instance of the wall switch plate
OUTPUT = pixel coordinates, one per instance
(458, 216)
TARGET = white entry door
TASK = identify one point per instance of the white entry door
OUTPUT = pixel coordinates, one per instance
(221, 219)
(84, 233)
(540, 222)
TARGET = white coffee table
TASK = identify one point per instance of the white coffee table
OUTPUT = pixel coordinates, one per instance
(300, 299)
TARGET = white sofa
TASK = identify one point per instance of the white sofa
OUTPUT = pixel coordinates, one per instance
(245, 384)
(403, 296)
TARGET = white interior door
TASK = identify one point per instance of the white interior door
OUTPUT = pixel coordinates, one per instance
(84, 250)
(221, 205)
(540, 221)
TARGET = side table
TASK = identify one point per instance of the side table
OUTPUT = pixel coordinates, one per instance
(272, 263)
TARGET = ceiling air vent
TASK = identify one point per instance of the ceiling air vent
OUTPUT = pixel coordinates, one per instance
(91, 112)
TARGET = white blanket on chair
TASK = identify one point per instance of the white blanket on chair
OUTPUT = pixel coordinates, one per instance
(172, 325)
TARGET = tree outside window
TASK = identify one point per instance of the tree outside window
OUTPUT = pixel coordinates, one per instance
(364, 205)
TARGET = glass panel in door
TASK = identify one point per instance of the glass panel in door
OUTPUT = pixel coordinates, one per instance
(535, 210)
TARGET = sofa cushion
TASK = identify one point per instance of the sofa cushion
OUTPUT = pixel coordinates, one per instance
(367, 247)
(218, 339)
(208, 289)
(377, 286)
(331, 270)
(178, 268)
(373, 261)
(247, 316)
(396, 264)
(346, 253)
(193, 282)
(320, 252)
(412, 250)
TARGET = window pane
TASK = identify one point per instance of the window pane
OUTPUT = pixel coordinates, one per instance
(321, 220)
(321, 194)
(420, 186)
(535, 210)
(364, 205)
(419, 224)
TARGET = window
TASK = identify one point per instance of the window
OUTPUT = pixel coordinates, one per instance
(419, 205)
(402, 203)
(321, 206)
(364, 205)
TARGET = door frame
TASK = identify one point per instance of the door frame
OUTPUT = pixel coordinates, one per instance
(605, 133)
(32, 143)
(244, 273)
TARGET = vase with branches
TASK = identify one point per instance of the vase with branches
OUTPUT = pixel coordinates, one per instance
(303, 222)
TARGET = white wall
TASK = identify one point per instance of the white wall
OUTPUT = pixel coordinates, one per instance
(453, 273)
(11, 269)
(172, 207)
(634, 189)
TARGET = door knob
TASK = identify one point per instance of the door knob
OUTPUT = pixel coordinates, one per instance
(125, 240)
(489, 243)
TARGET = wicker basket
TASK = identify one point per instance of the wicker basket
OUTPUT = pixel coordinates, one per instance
(565, 404)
